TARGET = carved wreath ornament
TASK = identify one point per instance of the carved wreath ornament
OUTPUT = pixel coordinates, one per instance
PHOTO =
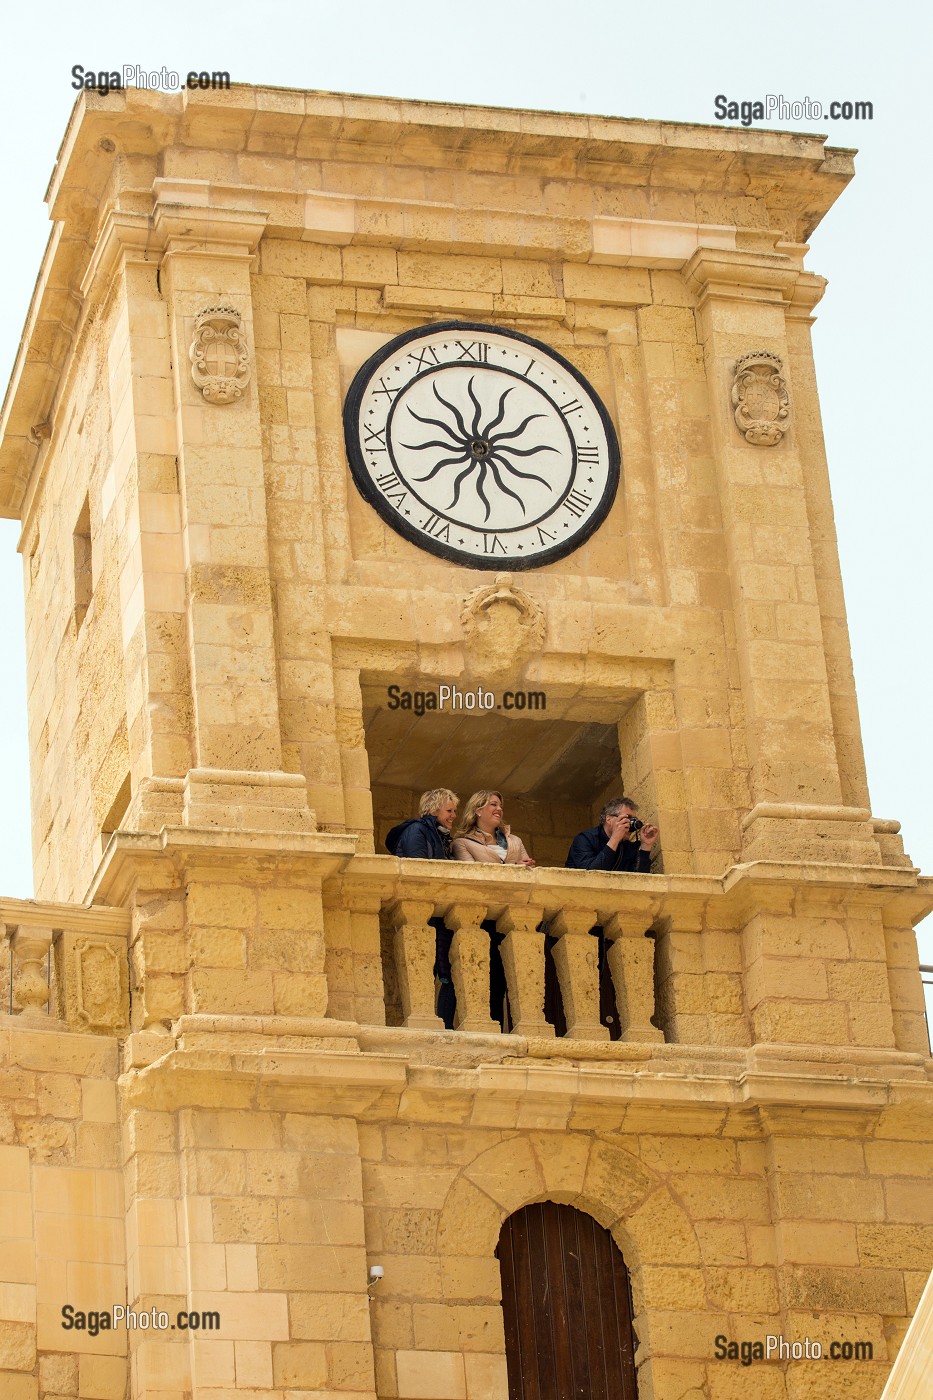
(760, 398)
(219, 355)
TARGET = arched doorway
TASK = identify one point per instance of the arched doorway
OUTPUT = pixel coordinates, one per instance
(568, 1307)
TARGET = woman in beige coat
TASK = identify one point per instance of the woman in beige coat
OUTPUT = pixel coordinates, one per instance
(482, 837)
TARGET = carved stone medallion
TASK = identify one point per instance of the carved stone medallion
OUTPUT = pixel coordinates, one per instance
(760, 398)
(219, 355)
(502, 625)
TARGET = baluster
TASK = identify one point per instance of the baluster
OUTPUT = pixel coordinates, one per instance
(523, 959)
(368, 999)
(414, 945)
(631, 962)
(30, 970)
(576, 957)
(469, 965)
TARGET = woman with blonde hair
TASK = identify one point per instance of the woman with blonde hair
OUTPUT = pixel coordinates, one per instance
(481, 836)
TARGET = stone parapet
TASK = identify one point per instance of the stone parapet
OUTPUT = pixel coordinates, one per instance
(271, 925)
(66, 965)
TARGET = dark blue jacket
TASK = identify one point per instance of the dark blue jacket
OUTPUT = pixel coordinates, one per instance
(590, 851)
(421, 838)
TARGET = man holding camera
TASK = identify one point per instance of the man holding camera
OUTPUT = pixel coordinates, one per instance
(621, 841)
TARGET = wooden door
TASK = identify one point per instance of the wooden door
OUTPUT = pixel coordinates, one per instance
(568, 1307)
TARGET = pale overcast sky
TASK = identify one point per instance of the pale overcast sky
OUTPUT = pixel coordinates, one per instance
(661, 61)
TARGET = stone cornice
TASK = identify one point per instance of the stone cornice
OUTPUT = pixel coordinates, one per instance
(134, 857)
(73, 918)
(741, 275)
(207, 229)
(902, 897)
(264, 121)
(340, 1067)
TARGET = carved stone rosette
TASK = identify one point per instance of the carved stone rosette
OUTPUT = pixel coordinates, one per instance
(502, 625)
(219, 355)
(760, 399)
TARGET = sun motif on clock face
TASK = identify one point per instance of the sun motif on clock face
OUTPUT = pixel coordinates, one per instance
(481, 445)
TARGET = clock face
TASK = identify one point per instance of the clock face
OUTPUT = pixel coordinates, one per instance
(481, 445)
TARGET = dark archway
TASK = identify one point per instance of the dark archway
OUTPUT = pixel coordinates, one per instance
(567, 1303)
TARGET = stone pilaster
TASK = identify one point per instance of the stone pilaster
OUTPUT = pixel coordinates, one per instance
(140, 507)
(237, 778)
(796, 787)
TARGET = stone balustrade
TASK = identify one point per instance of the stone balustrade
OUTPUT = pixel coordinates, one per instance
(766, 953)
(67, 966)
(538, 914)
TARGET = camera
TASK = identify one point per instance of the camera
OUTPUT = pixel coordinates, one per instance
(634, 824)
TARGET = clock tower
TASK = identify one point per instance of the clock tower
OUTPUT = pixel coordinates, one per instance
(368, 449)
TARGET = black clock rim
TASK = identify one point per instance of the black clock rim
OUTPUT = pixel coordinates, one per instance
(366, 488)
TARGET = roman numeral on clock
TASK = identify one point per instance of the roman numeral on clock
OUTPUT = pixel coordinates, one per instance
(389, 392)
(375, 440)
(391, 487)
(492, 543)
(577, 502)
(589, 454)
(571, 406)
(426, 358)
(477, 351)
(437, 528)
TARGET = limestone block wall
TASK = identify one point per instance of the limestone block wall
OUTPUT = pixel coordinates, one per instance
(79, 738)
(216, 933)
(264, 1171)
(62, 1212)
(259, 1217)
(726, 1234)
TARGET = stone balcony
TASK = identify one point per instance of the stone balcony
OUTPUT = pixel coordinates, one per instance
(244, 926)
(820, 955)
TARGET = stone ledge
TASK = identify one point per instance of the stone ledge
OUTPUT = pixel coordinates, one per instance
(74, 918)
(322, 1053)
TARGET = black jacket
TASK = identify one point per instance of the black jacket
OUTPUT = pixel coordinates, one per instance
(590, 851)
(422, 838)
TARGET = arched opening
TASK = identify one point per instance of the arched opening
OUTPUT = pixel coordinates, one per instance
(567, 1307)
